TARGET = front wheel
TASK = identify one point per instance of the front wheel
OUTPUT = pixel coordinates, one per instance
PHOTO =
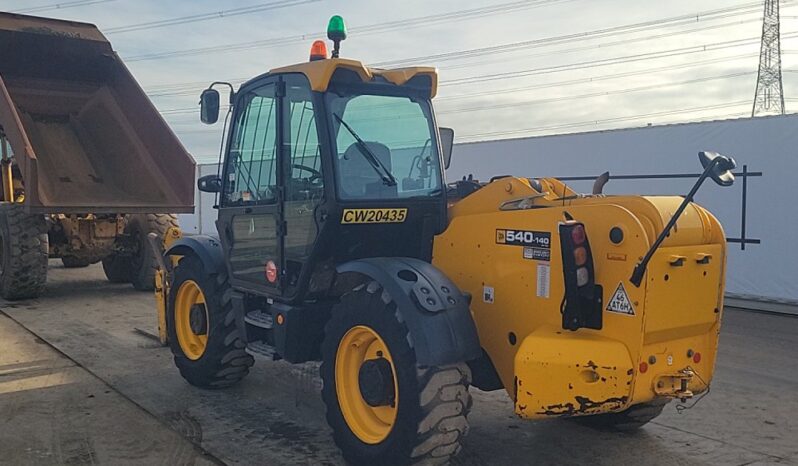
(201, 327)
(384, 408)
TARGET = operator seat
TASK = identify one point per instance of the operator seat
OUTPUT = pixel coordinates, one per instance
(358, 178)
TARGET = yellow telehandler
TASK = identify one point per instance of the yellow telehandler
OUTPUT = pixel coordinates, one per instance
(340, 241)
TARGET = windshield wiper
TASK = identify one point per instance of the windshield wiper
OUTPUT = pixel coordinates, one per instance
(387, 177)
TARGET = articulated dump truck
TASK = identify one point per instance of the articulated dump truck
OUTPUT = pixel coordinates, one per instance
(89, 167)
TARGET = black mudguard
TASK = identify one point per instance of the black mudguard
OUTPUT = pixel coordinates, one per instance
(207, 248)
(434, 309)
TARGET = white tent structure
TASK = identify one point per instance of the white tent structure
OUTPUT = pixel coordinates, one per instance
(759, 213)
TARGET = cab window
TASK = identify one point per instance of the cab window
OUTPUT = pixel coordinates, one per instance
(251, 174)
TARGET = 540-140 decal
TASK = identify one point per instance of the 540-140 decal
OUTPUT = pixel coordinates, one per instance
(351, 216)
(537, 244)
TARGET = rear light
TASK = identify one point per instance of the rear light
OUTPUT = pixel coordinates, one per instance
(643, 367)
(578, 234)
(580, 256)
(582, 304)
(582, 276)
(697, 358)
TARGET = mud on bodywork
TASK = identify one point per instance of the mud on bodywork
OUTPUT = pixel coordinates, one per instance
(553, 379)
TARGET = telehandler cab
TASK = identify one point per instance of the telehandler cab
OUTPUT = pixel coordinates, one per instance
(340, 241)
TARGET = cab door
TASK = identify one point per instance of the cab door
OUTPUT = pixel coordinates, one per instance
(304, 179)
(250, 213)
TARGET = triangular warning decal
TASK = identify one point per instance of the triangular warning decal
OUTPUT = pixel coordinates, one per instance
(620, 302)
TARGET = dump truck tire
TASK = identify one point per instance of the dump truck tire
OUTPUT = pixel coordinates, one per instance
(24, 248)
(118, 269)
(426, 418)
(200, 300)
(144, 262)
(74, 262)
(629, 420)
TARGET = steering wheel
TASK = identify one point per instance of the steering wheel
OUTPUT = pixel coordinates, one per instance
(314, 174)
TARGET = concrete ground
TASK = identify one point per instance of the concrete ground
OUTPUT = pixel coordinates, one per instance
(82, 381)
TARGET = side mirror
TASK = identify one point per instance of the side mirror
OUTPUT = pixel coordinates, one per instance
(447, 141)
(721, 172)
(209, 106)
(209, 184)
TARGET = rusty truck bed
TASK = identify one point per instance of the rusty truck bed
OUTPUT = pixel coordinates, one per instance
(83, 133)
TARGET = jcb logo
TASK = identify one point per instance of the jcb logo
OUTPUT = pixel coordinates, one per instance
(501, 236)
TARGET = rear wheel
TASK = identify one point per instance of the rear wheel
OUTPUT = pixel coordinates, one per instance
(23, 253)
(144, 262)
(384, 408)
(118, 269)
(629, 420)
(71, 262)
(203, 337)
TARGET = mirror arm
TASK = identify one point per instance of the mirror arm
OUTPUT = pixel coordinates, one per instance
(640, 268)
(225, 83)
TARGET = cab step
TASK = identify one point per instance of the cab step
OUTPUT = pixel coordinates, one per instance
(260, 319)
(263, 350)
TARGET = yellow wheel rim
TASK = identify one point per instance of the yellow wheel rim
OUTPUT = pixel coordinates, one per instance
(369, 423)
(188, 295)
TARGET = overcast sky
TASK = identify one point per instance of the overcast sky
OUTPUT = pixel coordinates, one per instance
(685, 70)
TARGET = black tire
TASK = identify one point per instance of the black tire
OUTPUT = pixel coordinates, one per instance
(118, 269)
(144, 262)
(24, 248)
(629, 420)
(74, 262)
(434, 402)
(224, 361)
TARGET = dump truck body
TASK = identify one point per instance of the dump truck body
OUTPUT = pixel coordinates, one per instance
(85, 155)
(649, 339)
(83, 133)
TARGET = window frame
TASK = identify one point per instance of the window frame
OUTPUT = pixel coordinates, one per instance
(357, 89)
(238, 113)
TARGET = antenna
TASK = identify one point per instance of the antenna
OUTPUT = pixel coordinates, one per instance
(769, 96)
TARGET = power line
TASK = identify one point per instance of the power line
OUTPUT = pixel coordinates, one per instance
(274, 5)
(595, 94)
(189, 88)
(360, 30)
(589, 35)
(606, 120)
(555, 40)
(184, 110)
(59, 6)
(607, 61)
(604, 77)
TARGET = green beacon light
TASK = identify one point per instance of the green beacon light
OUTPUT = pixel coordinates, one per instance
(336, 32)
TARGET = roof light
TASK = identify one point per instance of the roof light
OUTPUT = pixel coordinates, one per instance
(336, 32)
(318, 51)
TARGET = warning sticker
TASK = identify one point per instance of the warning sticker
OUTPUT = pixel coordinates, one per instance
(487, 294)
(538, 254)
(544, 280)
(620, 302)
